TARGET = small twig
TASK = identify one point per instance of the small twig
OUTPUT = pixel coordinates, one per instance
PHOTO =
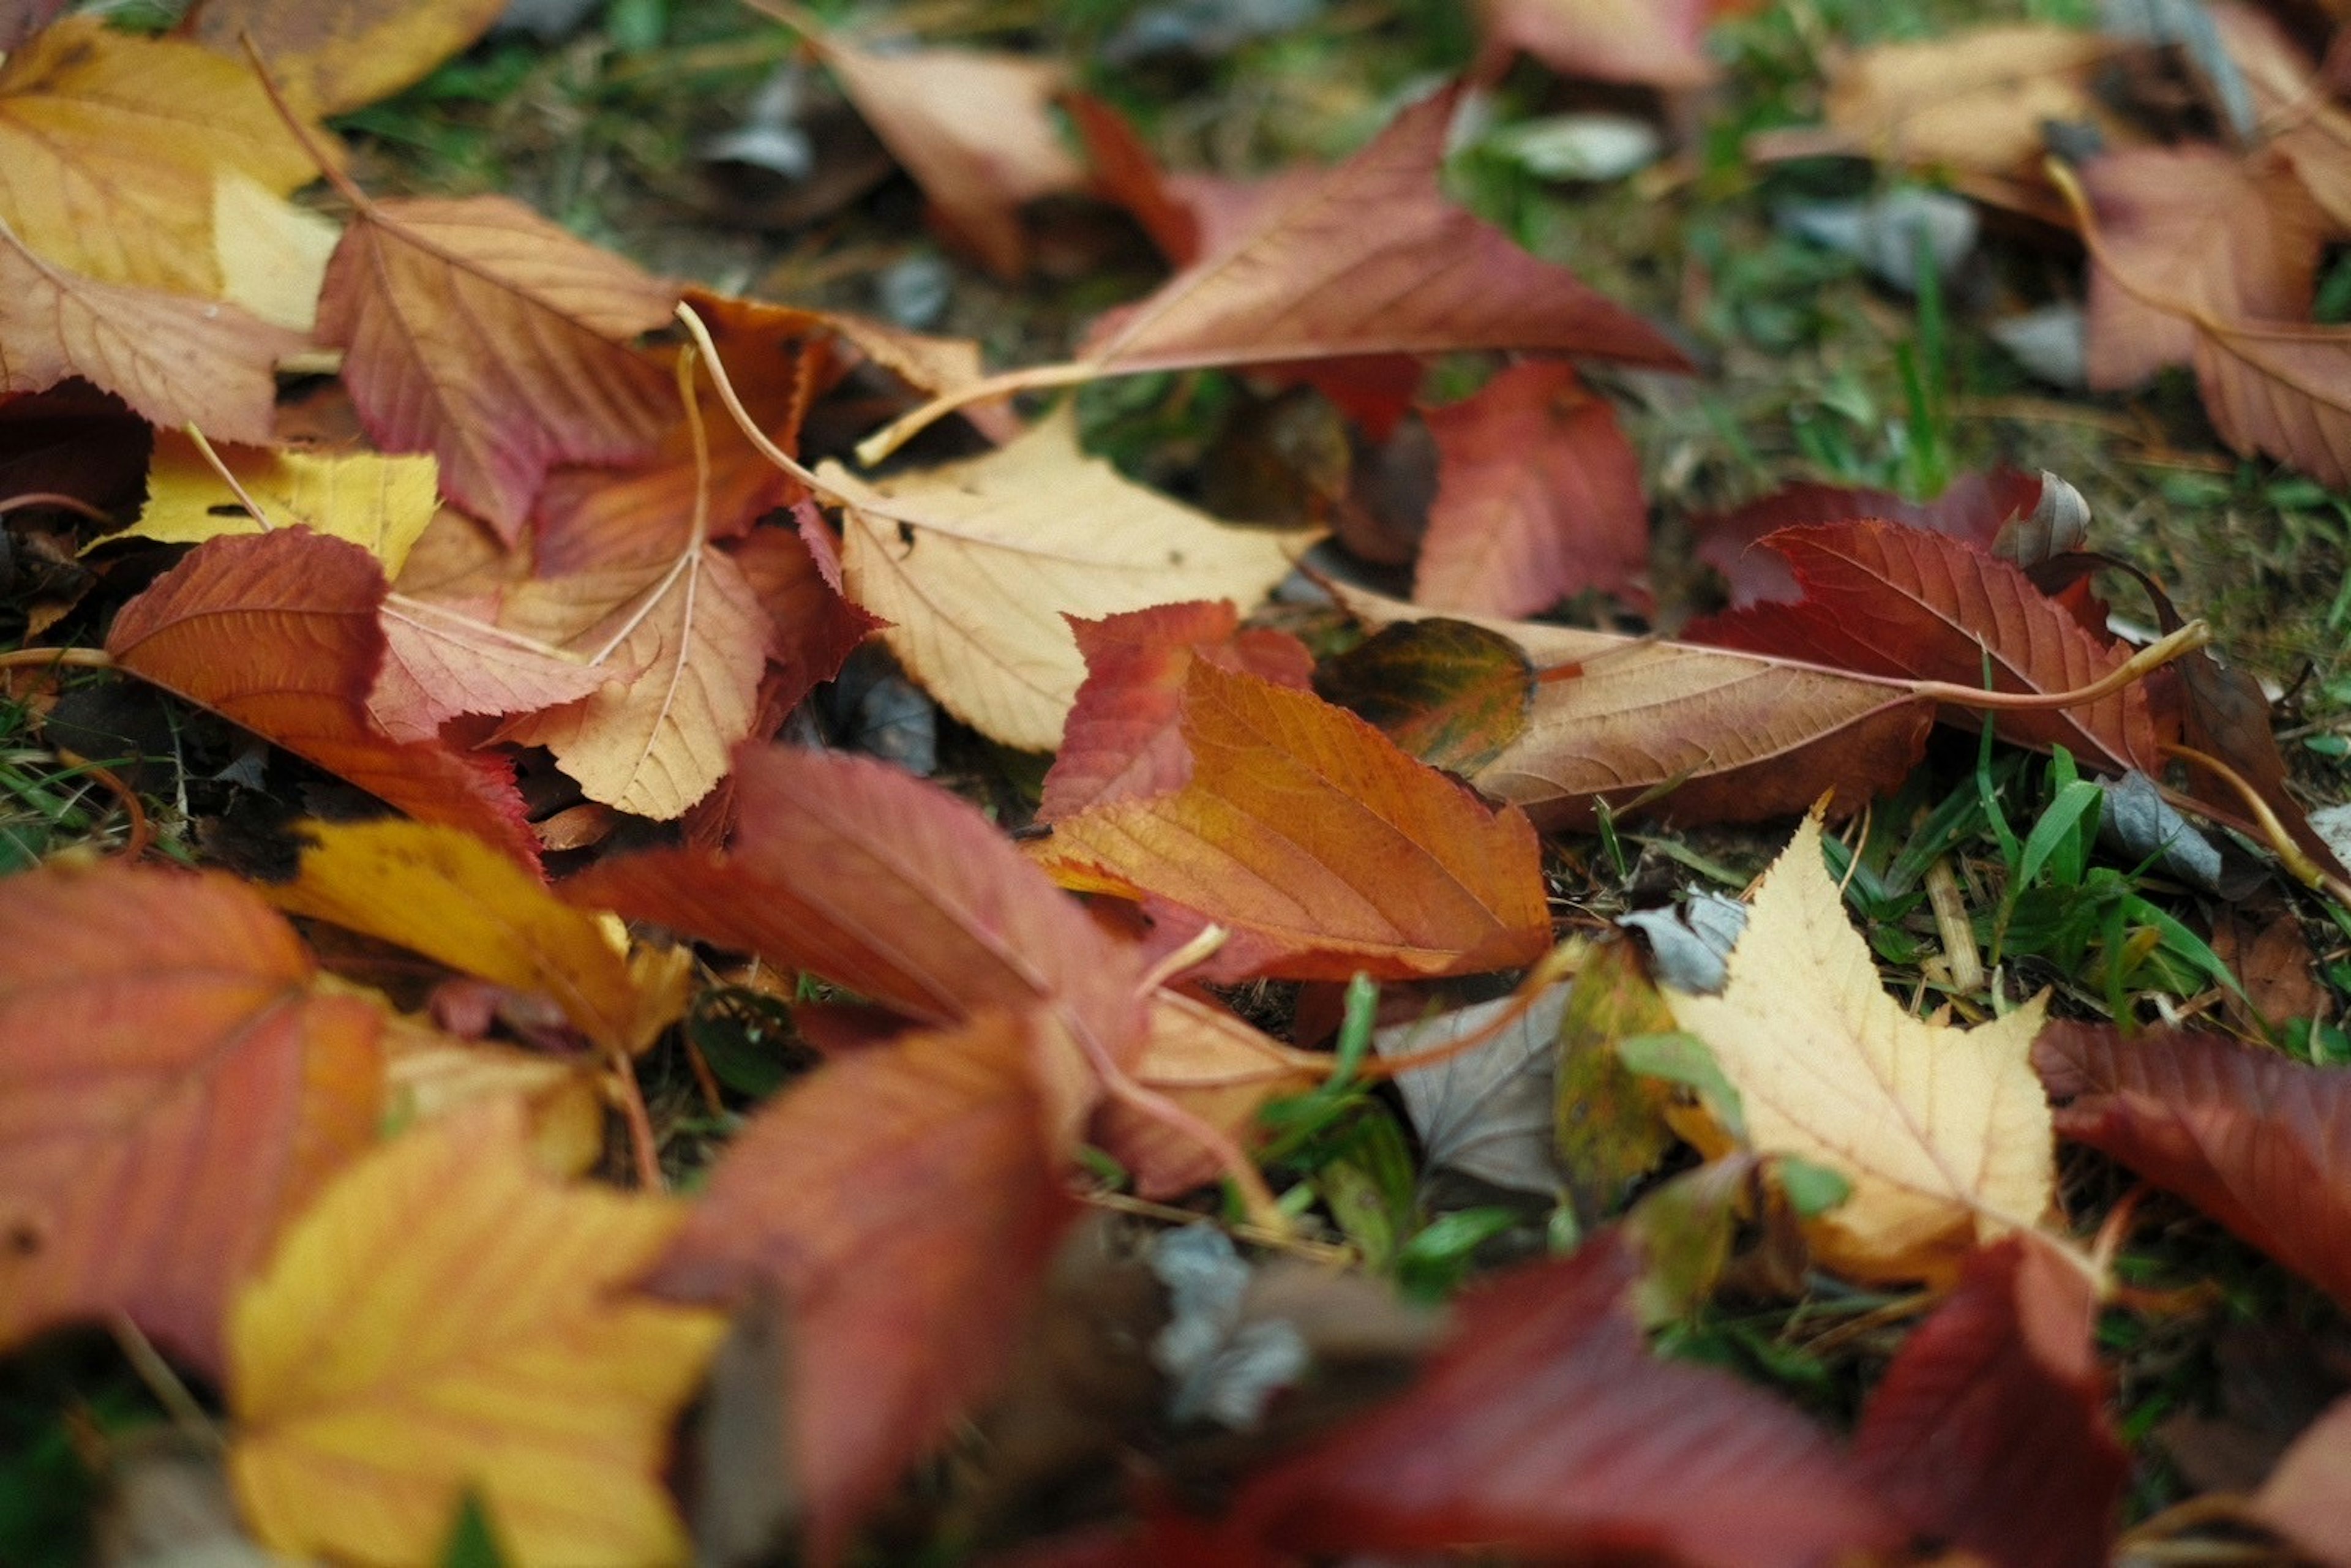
(1953, 925)
(75, 658)
(140, 834)
(1032, 378)
(32, 498)
(205, 447)
(164, 1383)
(644, 1146)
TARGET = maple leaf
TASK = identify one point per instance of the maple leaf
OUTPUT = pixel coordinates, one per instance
(902, 1308)
(2253, 1139)
(975, 564)
(333, 58)
(1990, 1430)
(1544, 1426)
(174, 360)
(1318, 844)
(444, 1318)
(380, 504)
(278, 632)
(108, 147)
(1537, 498)
(478, 332)
(1123, 739)
(1659, 43)
(174, 1084)
(1943, 1133)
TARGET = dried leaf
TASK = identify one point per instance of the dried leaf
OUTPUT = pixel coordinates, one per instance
(1487, 1111)
(342, 54)
(380, 504)
(1990, 1430)
(1537, 498)
(975, 564)
(1658, 43)
(172, 1088)
(278, 632)
(1452, 694)
(2255, 1140)
(2303, 1499)
(1975, 507)
(811, 628)
(902, 1308)
(1214, 1066)
(1318, 844)
(1608, 1127)
(444, 1320)
(439, 663)
(2294, 107)
(1943, 1133)
(2284, 390)
(480, 332)
(1123, 739)
(273, 254)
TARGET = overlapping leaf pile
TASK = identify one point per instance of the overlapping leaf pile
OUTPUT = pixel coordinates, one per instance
(550, 515)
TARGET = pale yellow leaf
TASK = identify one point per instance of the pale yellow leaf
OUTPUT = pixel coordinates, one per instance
(429, 1074)
(446, 1317)
(1943, 1132)
(380, 504)
(272, 253)
(974, 565)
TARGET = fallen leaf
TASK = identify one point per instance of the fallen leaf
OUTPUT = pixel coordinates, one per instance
(1989, 1431)
(1214, 1065)
(174, 360)
(2236, 238)
(380, 504)
(429, 1074)
(1656, 43)
(975, 564)
(1608, 1129)
(439, 663)
(1975, 507)
(278, 632)
(446, 894)
(1544, 1426)
(1537, 498)
(110, 143)
(2303, 1497)
(902, 1308)
(2255, 1140)
(445, 1319)
(1321, 848)
(1942, 1133)
(1488, 1111)
(2295, 109)
(272, 255)
(812, 628)
(333, 57)
(1123, 739)
(1452, 694)
(173, 1086)
(478, 332)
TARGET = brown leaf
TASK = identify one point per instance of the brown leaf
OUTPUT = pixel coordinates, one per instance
(1975, 507)
(480, 332)
(172, 1088)
(2295, 109)
(1658, 42)
(902, 1308)
(1990, 1430)
(1537, 498)
(1318, 844)
(795, 578)
(1452, 694)
(2307, 1498)
(330, 56)
(2258, 1142)
(174, 360)
(278, 632)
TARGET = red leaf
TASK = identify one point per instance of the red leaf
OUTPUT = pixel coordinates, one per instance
(1973, 508)
(1990, 1430)
(2258, 1142)
(278, 632)
(1658, 43)
(1538, 496)
(1547, 1426)
(815, 628)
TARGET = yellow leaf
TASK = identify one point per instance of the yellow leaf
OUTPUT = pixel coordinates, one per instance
(442, 892)
(272, 253)
(333, 58)
(428, 1073)
(380, 504)
(446, 1317)
(110, 143)
(1943, 1132)
(976, 563)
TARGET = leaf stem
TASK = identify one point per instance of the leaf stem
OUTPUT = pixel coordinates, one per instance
(75, 658)
(2195, 634)
(1031, 378)
(220, 468)
(2290, 855)
(1560, 963)
(31, 498)
(741, 415)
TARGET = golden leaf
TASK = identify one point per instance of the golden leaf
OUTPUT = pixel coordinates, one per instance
(380, 504)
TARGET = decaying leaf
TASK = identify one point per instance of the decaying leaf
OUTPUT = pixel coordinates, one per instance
(330, 56)
(380, 504)
(446, 1318)
(1450, 693)
(2295, 109)
(1608, 1127)
(173, 1087)
(1487, 1111)
(1977, 506)
(1943, 1133)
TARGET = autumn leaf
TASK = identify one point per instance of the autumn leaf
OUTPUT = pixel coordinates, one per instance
(277, 633)
(176, 362)
(1659, 43)
(2294, 107)
(1544, 1426)
(439, 663)
(1608, 1127)
(975, 564)
(1537, 498)
(109, 146)
(380, 504)
(1214, 1065)
(1452, 694)
(2255, 1140)
(2303, 1497)
(331, 58)
(272, 253)
(1321, 847)
(812, 628)
(1488, 1111)
(430, 1074)
(1123, 739)
(1943, 1133)
(1989, 1431)
(173, 1086)
(903, 1307)
(446, 894)
(446, 1318)
(1976, 506)
(478, 332)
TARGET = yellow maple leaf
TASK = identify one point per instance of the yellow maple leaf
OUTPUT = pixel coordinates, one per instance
(1943, 1133)
(446, 1317)
(380, 504)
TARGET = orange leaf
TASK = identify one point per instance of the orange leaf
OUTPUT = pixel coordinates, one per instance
(1214, 1066)
(446, 1318)
(480, 332)
(172, 1089)
(811, 628)
(439, 663)
(1318, 844)
(902, 1202)
(331, 56)
(277, 632)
